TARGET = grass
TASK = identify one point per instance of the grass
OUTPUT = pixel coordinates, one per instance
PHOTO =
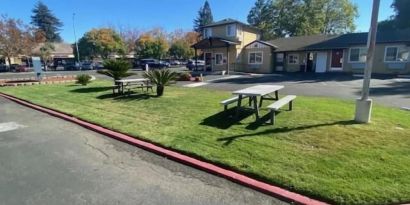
(316, 149)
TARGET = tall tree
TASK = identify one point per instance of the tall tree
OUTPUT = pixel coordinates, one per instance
(400, 20)
(306, 17)
(16, 38)
(100, 43)
(260, 17)
(204, 17)
(152, 44)
(44, 19)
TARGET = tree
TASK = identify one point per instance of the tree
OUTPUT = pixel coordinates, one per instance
(16, 38)
(400, 20)
(116, 69)
(43, 19)
(280, 18)
(152, 44)
(259, 17)
(45, 53)
(204, 17)
(160, 78)
(100, 43)
(129, 36)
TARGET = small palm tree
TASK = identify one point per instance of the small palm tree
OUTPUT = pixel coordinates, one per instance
(116, 69)
(160, 78)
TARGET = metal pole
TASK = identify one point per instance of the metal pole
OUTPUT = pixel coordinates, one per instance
(364, 104)
(371, 44)
(76, 44)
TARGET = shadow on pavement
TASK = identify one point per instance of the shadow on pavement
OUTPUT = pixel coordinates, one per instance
(230, 139)
(395, 88)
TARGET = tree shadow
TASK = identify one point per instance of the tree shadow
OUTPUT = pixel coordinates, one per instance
(225, 119)
(230, 139)
(91, 89)
(394, 88)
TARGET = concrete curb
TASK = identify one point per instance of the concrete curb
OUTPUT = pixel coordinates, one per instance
(190, 161)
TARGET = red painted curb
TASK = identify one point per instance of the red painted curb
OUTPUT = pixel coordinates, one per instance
(208, 167)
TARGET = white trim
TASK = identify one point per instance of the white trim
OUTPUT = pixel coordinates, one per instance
(293, 54)
(350, 51)
(234, 30)
(222, 59)
(397, 54)
(249, 58)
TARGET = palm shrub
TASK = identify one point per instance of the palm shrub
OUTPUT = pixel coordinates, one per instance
(116, 69)
(83, 79)
(161, 78)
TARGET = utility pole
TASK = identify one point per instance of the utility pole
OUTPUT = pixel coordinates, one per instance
(364, 104)
(76, 44)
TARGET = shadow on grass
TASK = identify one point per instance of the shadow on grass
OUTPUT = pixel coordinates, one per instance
(229, 140)
(91, 89)
(126, 97)
(225, 119)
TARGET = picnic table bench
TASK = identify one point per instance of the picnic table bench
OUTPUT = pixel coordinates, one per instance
(278, 104)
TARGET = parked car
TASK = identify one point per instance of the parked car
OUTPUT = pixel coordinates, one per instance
(175, 62)
(99, 65)
(71, 66)
(153, 63)
(3, 68)
(191, 64)
(87, 66)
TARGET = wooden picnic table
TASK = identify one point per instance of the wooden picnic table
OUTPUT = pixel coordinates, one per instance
(257, 91)
(124, 82)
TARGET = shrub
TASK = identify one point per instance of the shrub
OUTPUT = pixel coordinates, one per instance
(185, 77)
(83, 79)
(160, 78)
(116, 69)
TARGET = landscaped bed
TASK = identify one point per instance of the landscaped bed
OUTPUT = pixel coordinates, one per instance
(315, 149)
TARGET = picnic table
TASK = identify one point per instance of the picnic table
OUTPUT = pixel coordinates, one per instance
(125, 82)
(262, 91)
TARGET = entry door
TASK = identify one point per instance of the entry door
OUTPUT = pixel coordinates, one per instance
(208, 61)
(337, 59)
(321, 59)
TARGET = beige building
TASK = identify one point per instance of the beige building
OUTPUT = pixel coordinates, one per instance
(234, 46)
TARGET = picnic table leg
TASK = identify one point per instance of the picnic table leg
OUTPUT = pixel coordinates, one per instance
(260, 103)
(277, 95)
(238, 107)
(255, 107)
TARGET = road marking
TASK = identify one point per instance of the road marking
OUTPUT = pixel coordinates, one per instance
(192, 85)
(8, 126)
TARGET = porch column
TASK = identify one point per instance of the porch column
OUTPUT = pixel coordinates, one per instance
(227, 59)
(196, 59)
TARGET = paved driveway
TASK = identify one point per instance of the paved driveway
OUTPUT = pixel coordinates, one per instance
(45, 160)
(384, 90)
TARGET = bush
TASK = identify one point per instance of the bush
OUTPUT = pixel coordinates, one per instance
(185, 77)
(160, 78)
(83, 79)
(116, 69)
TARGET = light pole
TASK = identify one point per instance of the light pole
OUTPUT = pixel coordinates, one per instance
(76, 44)
(364, 104)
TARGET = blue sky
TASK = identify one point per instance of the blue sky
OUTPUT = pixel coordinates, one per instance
(145, 14)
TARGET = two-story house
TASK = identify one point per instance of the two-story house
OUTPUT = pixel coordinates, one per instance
(231, 45)
(223, 42)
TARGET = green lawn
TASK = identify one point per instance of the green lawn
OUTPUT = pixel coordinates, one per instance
(316, 149)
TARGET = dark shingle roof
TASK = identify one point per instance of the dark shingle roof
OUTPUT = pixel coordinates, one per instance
(229, 21)
(322, 42)
(299, 42)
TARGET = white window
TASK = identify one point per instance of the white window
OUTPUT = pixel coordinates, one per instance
(219, 59)
(255, 57)
(293, 59)
(396, 54)
(207, 32)
(231, 30)
(357, 55)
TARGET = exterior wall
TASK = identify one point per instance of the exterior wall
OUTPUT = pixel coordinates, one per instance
(223, 51)
(267, 60)
(379, 66)
(294, 67)
(220, 31)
